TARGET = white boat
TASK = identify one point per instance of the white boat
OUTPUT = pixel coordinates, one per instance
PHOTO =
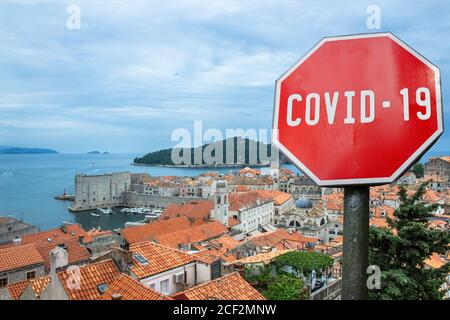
(157, 212)
(95, 214)
(105, 210)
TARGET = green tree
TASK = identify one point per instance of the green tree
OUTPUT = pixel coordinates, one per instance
(285, 287)
(304, 262)
(401, 250)
(418, 169)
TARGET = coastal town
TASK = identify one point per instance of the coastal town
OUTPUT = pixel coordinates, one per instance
(204, 237)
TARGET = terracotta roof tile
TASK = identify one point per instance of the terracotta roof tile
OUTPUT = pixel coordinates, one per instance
(19, 256)
(130, 289)
(245, 200)
(435, 261)
(275, 238)
(37, 285)
(77, 253)
(229, 287)
(16, 289)
(149, 231)
(226, 242)
(69, 232)
(91, 276)
(193, 234)
(198, 209)
(265, 257)
(160, 258)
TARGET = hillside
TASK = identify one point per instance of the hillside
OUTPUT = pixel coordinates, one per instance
(163, 157)
(19, 150)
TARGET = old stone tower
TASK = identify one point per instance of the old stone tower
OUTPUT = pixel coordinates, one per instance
(221, 202)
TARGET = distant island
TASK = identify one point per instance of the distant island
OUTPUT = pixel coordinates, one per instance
(98, 152)
(163, 158)
(19, 150)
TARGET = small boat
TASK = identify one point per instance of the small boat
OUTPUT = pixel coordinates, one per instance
(105, 210)
(95, 214)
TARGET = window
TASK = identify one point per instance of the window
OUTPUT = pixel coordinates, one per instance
(165, 286)
(102, 288)
(3, 282)
(31, 275)
(141, 259)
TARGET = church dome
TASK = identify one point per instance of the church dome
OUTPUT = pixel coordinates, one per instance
(303, 203)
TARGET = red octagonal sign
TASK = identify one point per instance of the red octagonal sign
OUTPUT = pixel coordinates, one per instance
(358, 109)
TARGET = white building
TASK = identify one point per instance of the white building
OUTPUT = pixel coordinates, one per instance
(252, 209)
(166, 270)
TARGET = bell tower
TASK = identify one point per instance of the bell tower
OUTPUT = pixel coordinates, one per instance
(221, 202)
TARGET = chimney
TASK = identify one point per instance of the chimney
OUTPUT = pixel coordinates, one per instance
(58, 258)
(116, 296)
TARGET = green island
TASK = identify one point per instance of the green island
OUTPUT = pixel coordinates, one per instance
(164, 157)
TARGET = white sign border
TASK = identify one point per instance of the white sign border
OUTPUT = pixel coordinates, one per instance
(356, 181)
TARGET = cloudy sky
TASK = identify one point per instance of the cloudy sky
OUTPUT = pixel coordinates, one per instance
(136, 70)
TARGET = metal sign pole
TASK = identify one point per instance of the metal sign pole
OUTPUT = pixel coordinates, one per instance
(356, 243)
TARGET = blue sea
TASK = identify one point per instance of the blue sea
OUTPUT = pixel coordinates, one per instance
(28, 184)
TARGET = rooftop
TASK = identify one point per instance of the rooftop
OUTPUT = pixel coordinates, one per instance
(149, 231)
(130, 289)
(90, 278)
(229, 287)
(157, 259)
(198, 209)
(19, 256)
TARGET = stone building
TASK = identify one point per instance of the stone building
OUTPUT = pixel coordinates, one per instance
(19, 263)
(307, 218)
(438, 166)
(100, 190)
(11, 228)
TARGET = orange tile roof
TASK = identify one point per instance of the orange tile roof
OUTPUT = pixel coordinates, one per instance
(226, 242)
(198, 233)
(37, 285)
(73, 231)
(378, 222)
(387, 210)
(93, 233)
(333, 206)
(251, 199)
(274, 238)
(198, 209)
(77, 253)
(130, 289)
(233, 222)
(206, 256)
(19, 256)
(435, 261)
(16, 289)
(149, 231)
(160, 258)
(265, 257)
(90, 276)
(278, 197)
(241, 188)
(441, 224)
(431, 196)
(229, 287)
